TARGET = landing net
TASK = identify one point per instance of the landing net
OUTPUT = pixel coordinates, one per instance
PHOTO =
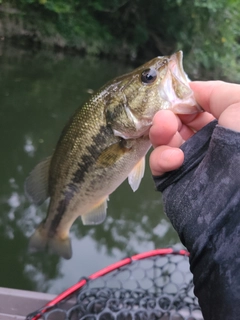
(149, 286)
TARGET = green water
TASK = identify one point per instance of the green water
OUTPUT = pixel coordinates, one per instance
(38, 93)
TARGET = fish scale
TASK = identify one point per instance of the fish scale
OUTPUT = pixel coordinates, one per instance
(104, 142)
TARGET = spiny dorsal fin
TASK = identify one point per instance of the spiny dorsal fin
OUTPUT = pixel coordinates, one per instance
(36, 184)
(97, 215)
(135, 176)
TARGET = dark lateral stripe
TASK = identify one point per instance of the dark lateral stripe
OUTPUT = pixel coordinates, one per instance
(94, 151)
(87, 161)
(62, 206)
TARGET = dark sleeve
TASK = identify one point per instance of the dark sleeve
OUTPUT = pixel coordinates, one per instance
(202, 200)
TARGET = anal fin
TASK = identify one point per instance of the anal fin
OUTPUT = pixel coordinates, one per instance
(97, 215)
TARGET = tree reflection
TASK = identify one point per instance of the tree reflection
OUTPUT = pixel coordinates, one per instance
(19, 269)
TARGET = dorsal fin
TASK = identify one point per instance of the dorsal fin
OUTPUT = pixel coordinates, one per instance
(135, 176)
(36, 184)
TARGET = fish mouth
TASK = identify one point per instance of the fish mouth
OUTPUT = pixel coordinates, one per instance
(176, 87)
(176, 66)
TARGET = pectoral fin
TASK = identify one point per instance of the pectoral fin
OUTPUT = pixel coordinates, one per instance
(36, 184)
(97, 215)
(114, 152)
(135, 176)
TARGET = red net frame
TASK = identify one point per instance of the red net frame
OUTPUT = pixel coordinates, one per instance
(117, 267)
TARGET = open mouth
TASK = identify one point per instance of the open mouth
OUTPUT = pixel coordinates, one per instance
(176, 66)
(175, 87)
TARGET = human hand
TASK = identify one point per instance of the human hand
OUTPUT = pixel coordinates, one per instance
(201, 199)
(219, 99)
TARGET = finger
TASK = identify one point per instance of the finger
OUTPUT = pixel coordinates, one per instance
(164, 159)
(230, 117)
(176, 141)
(186, 132)
(215, 96)
(164, 127)
(198, 121)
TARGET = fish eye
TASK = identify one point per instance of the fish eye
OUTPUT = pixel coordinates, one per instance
(149, 76)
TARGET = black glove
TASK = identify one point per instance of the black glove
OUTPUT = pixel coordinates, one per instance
(202, 200)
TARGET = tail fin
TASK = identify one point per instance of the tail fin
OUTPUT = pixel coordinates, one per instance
(40, 240)
(62, 247)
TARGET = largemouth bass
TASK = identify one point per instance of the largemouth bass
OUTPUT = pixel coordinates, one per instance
(104, 142)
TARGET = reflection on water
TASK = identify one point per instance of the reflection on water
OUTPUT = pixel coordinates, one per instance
(38, 93)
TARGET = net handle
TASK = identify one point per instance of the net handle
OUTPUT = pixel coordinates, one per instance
(65, 294)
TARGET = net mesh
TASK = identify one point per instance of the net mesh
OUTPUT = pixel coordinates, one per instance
(157, 287)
